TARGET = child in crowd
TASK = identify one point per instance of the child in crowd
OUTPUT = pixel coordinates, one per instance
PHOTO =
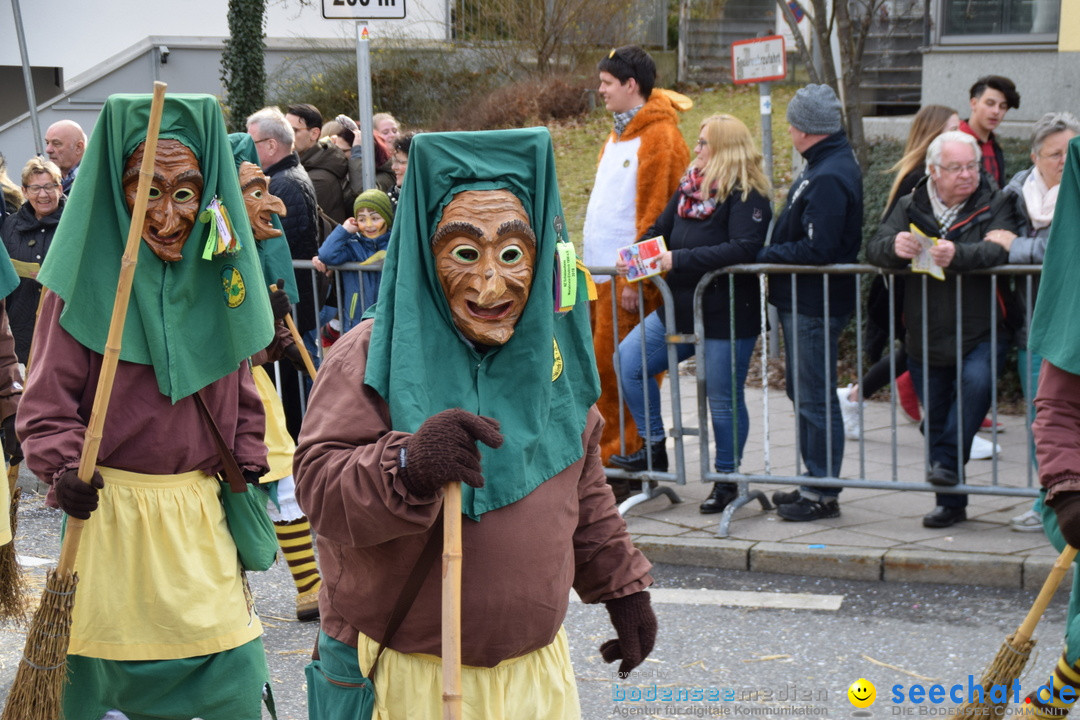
(362, 238)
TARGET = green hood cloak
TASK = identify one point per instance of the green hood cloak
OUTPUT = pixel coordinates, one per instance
(1054, 333)
(194, 320)
(274, 254)
(542, 382)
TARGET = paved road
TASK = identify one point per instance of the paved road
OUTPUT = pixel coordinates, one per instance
(770, 660)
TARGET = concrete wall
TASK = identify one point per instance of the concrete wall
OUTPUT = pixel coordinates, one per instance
(1046, 79)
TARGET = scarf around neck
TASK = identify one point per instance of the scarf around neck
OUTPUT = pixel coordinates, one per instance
(692, 203)
(1039, 199)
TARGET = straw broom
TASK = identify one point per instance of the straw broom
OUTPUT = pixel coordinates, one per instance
(297, 340)
(1014, 652)
(451, 602)
(12, 602)
(39, 682)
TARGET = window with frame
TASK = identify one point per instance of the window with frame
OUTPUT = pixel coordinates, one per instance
(1022, 21)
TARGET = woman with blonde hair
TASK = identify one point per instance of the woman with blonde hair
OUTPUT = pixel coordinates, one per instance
(929, 122)
(12, 195)
(718, 216)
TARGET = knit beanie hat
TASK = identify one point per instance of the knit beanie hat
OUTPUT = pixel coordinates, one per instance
(378, 201)
(815, 110)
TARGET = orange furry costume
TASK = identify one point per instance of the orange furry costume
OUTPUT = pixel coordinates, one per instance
(648, 159)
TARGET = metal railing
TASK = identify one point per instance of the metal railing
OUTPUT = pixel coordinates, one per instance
(658, 483)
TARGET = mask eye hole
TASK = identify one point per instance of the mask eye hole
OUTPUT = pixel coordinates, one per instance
(257, 194)
(184, 195)
(511, 255)
(155, 192)
(465, 254)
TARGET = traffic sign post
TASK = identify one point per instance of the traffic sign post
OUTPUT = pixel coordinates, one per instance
(363, 11)
(761, 60)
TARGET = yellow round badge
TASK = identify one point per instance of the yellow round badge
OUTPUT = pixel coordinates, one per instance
(233, 286)
(557, 365)
(862, 693)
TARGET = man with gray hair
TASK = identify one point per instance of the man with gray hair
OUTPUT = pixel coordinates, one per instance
(820, 225)
(65, 143)
(957, 209)
(289, 181)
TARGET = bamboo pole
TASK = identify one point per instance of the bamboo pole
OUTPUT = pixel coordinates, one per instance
(39, 683)
(451, 602)
(299, 341)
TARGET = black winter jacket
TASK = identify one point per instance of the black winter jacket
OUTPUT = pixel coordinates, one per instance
(27, 239)
(986, 209)
(820, 225)
(328, 169)
(732, 234)
(290, 182)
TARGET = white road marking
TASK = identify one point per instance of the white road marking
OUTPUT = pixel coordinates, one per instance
(739, 598)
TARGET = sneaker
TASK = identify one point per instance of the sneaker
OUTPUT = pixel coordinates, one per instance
(849, 410)
(785, 498)
(988, 425)
(909, 401)
(983, 449)
(805, 509)
(1030, 521)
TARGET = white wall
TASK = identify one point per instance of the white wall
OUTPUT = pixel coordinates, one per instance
(77, 35)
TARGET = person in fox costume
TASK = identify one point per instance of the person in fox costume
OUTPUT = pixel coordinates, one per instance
(639, 168)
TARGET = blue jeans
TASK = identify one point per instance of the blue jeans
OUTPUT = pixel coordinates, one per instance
(813, 373)
(943, 417)
(721, 386)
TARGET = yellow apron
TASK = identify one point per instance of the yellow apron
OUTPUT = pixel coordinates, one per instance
(279, 444)
(540, 685)
(159, 578)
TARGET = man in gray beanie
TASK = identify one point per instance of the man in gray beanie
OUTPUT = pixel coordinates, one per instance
(821, 224)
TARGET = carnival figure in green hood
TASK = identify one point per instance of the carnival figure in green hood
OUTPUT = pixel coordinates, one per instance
(163, 614)
(472, 370)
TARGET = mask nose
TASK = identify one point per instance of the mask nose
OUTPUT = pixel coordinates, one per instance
(492, 287)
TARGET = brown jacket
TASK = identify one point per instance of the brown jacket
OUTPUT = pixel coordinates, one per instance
(519, 562)
(1057, 429)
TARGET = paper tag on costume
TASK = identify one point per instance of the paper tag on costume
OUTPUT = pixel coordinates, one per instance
(565, 277)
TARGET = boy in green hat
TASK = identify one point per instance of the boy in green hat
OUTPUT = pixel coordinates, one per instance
(163, 612)
(363, 239)
(467, 344)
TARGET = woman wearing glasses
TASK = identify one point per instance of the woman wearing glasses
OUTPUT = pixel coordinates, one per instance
(719, 216)
(27, 235)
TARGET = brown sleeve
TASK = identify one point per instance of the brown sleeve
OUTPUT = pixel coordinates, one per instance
(1057, 429)
(275, 350)
(607, 565)
(346, 459)
(11, 379)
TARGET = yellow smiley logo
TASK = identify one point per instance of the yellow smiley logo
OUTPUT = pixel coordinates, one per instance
(862, 693)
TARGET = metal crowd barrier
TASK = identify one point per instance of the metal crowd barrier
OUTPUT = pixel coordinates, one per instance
(656, 483)
(1024, 275)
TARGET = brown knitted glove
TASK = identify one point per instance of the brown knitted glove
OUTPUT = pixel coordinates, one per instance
(635, 624)
(443, 449)
(279, 301)
(75, 497)
(1067, 508)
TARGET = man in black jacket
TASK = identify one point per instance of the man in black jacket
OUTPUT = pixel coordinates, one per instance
(325, 164)
(820, 225)
(274, 139)
(959, 209)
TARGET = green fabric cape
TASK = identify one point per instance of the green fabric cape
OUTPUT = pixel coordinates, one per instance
(274, 254)
(1054, 332)
(418, 361)
(9, 280)
(178, 319)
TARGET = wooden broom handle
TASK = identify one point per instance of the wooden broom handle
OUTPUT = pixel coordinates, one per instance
(451, 602)
(92, 439)
(1061, 566)
(297, 340)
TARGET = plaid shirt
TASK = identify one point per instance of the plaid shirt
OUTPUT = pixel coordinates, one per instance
(623, 119)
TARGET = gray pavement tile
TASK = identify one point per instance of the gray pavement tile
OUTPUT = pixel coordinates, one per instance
(849, 537)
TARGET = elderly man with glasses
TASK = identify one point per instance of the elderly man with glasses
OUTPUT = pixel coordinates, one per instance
(274, 142)
(952, 214)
